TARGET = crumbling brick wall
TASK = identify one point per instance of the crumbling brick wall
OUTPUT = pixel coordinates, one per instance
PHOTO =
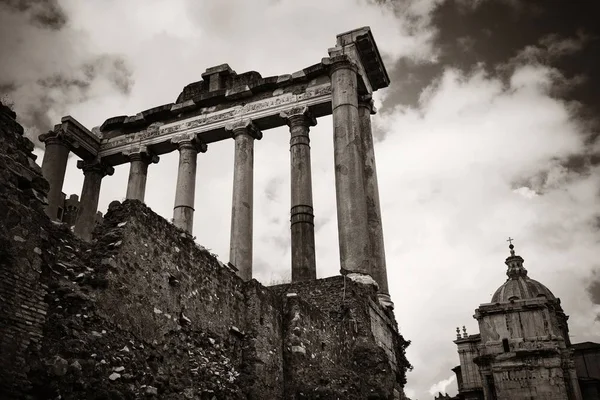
(23, 225)
(145, 311)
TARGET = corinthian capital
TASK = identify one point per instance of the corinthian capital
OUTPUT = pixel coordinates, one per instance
(366, 100)
(58, 136)
(244, 126)
(141, 153)
(298, 116)
(189, 141)
(96, 166)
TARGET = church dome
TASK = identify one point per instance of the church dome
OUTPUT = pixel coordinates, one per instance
(519, 286)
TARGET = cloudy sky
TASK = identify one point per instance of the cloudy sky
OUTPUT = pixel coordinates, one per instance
(487, 131)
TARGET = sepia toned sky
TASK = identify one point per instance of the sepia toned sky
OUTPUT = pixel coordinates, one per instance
(489, 129)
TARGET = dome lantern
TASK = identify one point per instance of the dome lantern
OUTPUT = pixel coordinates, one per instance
(519, 286)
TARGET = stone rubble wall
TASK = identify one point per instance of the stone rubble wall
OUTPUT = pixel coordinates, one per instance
(331, 337)
(143, 311)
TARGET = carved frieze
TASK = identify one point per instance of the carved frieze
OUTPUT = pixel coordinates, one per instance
(218, 119)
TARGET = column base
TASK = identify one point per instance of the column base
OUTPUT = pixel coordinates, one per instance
(385, 301)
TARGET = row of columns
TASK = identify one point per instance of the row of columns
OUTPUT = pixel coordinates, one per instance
(54, 166)
(357, 194)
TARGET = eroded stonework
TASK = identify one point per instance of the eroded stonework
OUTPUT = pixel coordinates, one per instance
(143, 311)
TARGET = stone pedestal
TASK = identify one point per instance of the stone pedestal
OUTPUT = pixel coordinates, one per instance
(355, 247)
(54, 166)
(379, 270)
(244, 133)
(302, 217)
(183, 210)
(138, 172)
(94, 171)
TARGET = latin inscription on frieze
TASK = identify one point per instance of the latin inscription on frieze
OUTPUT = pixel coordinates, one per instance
(250, 110)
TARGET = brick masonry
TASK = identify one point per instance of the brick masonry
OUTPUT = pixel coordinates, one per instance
(23, 226)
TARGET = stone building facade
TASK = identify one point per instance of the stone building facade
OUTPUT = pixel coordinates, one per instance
(523, 350)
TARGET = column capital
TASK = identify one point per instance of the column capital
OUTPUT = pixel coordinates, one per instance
(366, 100)
(244, 126)
(95, 166)
(189, 141)
(141, 153)
(341, 61)
(57, 136)
(298, 116)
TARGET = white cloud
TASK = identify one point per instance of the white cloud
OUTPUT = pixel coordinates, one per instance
(447, 175)
(441, 386)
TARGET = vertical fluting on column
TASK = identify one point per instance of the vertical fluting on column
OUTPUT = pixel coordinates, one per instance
(354, 243)
(244, 133)
(301, 214)
(379, 269)
(93, 171)
(183, 210)
(54, 166)
(139, 159)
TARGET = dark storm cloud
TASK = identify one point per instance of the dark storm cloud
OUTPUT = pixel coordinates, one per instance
(593, 288)
(51, 67)
(43, 13)
(559, 33)
(501, 36)
(58, 91)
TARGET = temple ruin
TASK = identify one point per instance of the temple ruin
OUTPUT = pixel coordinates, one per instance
(132, 307)
(227, 105)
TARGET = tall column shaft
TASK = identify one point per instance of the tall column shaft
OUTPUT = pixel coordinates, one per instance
(355, 248)
(302, 217)
(244, 134)
(138, 173)
(379, 269)
(183, 210)
(93, 171)
(54, 166)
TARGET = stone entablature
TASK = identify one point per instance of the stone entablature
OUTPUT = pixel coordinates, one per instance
(206, 106)
(81, 141)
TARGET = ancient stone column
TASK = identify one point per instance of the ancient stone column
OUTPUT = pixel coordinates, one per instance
(93, 170)
(183, 210)
(355, 247)
(302, 217)
(244, 133)
(378, 271)
(54, 166)
(138, 171)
